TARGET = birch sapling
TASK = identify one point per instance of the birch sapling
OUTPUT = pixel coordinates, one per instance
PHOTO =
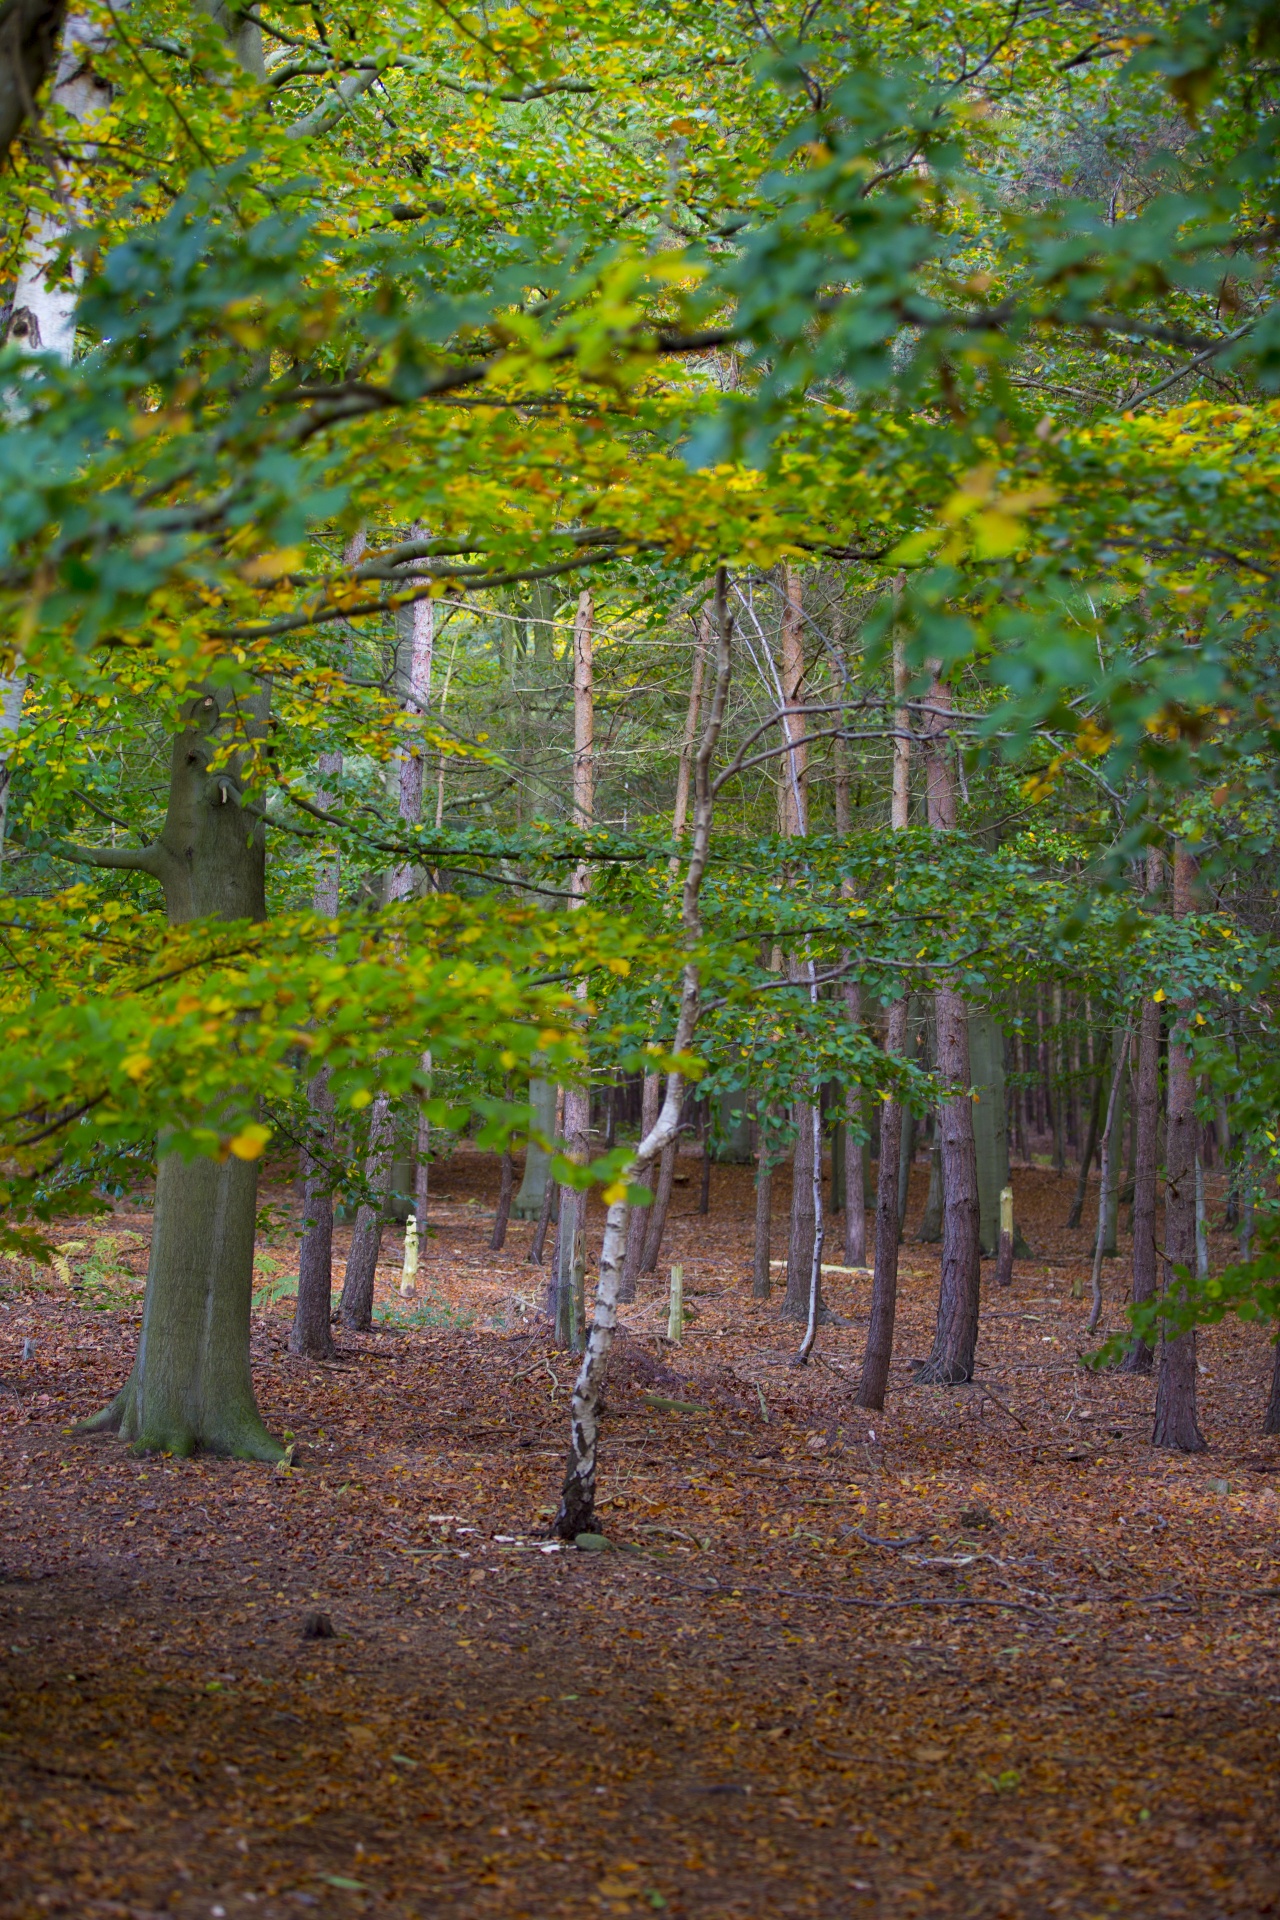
(884, 1282)
(638, 1217)
(576, 1511)
(577, 1099)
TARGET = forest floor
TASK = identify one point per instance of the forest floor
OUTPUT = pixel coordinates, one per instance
(987, 1654)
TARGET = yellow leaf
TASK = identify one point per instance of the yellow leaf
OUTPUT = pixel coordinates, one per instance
(270, 566)
(136, 1065)
(615, 1191)
(1158, 994)
(248, 1144)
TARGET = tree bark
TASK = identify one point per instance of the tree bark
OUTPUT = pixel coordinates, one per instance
(533, 1188)
(1090, 1147)
(356, 1305)
(955, 1340)
(1176, 1425)
(638, 1217)
(506, 1183)
(884, 1284)
(795, 1304)
(1139, 1357)
(1271, 1421)
(656, 1224)
(191, 1386)
(310, 1336)
(761, 1275)
(576, 1511)
(29, 35)
(931, 1224)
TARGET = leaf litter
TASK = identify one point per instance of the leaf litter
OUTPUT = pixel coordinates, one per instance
(983, 1654)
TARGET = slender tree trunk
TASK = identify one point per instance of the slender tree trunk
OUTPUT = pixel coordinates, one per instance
(638, 1217)
(1138, 1358)
(576, 1511)
(761, 1276)
(310, 1336)
(795, 1305)
(1107, 1175)
(1090, 1147)
(537, 1245)
(1271, 1421)
(956, 1337)
(849, 1140)
(931, 1224)
(884, 1282)
(356, 1304)
(657, 1222)
(506, 1184)
(1176, 1425)
(884, 1285)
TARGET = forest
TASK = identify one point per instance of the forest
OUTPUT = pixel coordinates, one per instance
(639, 777)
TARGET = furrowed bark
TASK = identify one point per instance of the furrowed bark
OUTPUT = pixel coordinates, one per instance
(576, 1512)
(1176, 1425)
(955, 1340)
(1139, 1357)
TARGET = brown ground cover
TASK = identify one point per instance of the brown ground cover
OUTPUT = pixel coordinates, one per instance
(985, 1654)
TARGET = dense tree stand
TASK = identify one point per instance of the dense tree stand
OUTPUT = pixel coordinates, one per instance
(191, 1387)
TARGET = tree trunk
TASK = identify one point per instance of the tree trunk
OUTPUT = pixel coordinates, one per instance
(931, 1224)
(761, 1276)
(1271, 1423)
(884, 1281)
(884, 1284)
(854, 1148)
(1138, 1358)
(576, 1511)
(533, 1188)
(356, 1305)
(310, 1336)
(795, 1304)
(1176, 1425)
(955, 1340)
(191, 1385)
(638, 1217)
(657, 1222)
(537, 1245)
(506, 1182)
(1086, 1157)
(990, 1124)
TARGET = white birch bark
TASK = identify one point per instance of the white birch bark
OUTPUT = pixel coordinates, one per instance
(576, 1511)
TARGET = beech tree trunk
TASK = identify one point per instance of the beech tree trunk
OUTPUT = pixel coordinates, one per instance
(191, 1386)
(533, 1188)
(956, 1338)
(1138, 1358)
(1176, 1424)
(506, 1184)
(356, 1305)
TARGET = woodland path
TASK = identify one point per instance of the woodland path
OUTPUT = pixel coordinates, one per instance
(709, 1726)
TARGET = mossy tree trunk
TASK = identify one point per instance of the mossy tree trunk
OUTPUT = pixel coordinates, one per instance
(190, 1386)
